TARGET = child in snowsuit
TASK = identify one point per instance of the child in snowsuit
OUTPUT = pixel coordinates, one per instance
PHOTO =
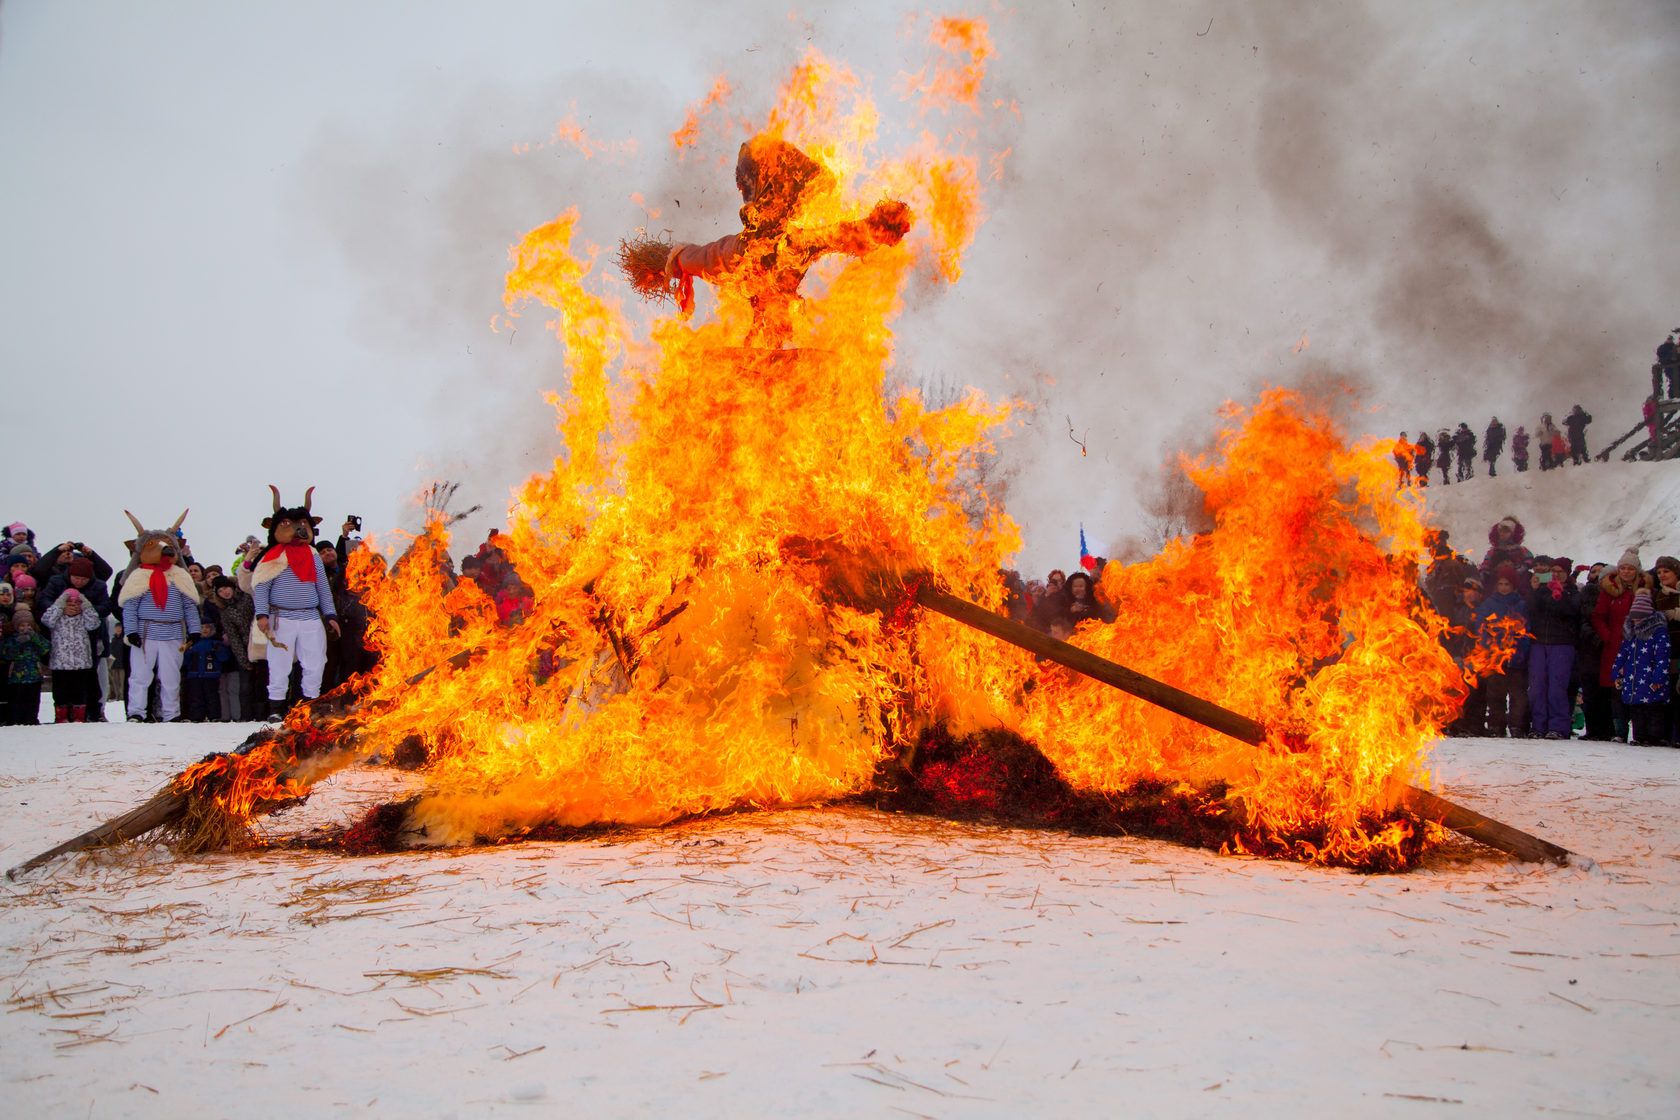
(1505, 692)
(1641, 671)
(27, 651)
(205, 660)
(72, 620)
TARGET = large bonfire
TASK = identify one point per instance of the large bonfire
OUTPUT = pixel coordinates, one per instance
(723, 560)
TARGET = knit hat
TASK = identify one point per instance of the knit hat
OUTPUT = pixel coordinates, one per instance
(6, 590)
(25, 582)
(1631, 558)
(1563, 562)
(1641, 604)
(1505, 571)
(16, 527)
(22, 614)
(323, 543)
(81, 566)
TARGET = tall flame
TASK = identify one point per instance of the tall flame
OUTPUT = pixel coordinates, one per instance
(683, 652)
(687, 647)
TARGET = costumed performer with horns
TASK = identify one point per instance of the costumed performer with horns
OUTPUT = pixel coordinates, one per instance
(159, 618)
(293, 603)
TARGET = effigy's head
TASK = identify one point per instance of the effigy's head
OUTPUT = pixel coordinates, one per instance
(774, 177)
(295, 525)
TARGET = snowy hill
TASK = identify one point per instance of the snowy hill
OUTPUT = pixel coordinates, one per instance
(1587, 513)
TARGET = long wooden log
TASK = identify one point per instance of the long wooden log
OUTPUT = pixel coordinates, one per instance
(1162, 695)
(1419, 802)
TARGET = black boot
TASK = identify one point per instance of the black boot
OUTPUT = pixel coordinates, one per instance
(276, 711)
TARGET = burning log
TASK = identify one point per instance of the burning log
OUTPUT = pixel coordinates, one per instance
(1418, 802)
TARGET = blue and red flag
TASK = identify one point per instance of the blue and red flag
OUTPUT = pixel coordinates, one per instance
(1086, 560)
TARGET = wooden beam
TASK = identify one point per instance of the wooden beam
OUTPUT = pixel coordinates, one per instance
(1418, 802)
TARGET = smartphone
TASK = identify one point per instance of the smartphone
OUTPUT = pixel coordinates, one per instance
(355, 522)
(1544, 577)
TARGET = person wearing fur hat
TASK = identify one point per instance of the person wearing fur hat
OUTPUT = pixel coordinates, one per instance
(159, 619)
(1505, 546)
(293, 602)
(1641, 671)
(72, 620)
(1502, 619)
(25, 651)
(1554, 618)
(1615, 599)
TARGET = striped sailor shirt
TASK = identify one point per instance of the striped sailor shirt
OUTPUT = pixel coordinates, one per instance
(287, 596)
(141, 615)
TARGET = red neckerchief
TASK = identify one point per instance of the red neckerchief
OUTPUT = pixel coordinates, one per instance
(160, 582)
(299, 557)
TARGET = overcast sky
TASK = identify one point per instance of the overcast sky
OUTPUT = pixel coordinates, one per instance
(252, 243)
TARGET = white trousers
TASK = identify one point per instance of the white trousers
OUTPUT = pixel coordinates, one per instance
(160, 657)
(305, 640)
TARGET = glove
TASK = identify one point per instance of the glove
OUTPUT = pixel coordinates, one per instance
(1557, 591)
(132, 639)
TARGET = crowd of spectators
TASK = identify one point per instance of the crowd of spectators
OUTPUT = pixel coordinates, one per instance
(1594, 652)
(1453, 452)
(1595, 647)
(59, 628)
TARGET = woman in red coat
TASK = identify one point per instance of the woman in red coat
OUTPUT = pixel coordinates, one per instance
(1615, 599)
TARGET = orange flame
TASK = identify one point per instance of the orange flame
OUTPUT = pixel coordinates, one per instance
(684, 650)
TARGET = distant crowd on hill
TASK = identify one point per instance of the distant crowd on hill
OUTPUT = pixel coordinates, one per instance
(1453, 452)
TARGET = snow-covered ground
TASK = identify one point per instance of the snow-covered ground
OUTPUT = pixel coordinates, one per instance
(837, 962)
(845, 962)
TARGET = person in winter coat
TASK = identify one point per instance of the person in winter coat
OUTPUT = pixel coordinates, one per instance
(1505, 546)
(18, 535)
(1423, 457)
(1576, 424)
(237, 615)
(1082, 602)
(1501, 619)
(1554, 621)
(1615, 599)
(25, 652)
(1464, 442)
(1641, 671)
(57, 563)
(1665, 600)
(1544, 435)
(1589, 653)
(72, 621)
(1458, 640)
(1444, 454)
(1403, 459)
(204, 663)
(1519, 450)
(1493, 443)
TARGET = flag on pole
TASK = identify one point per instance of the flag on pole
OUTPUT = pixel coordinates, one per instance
(1086, 560)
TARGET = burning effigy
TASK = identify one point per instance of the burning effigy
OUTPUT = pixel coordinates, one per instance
(760, 578)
